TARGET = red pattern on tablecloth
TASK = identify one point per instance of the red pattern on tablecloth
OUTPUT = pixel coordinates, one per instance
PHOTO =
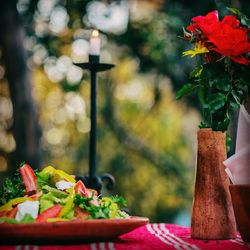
(150, 237)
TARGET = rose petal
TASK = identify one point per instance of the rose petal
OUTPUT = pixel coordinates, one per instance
(231, 21)
(240, 60)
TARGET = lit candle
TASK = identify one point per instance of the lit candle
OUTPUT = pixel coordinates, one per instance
(95, 44)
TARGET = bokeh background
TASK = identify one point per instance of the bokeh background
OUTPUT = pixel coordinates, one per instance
(145, 138)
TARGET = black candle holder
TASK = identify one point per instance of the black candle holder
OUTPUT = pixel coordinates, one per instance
(92, 180)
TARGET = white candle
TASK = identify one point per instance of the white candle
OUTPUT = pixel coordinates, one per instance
(95, 44)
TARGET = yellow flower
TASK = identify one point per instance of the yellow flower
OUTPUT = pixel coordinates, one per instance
(198, 49)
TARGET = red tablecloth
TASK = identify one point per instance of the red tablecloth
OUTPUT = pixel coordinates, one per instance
(149, 237)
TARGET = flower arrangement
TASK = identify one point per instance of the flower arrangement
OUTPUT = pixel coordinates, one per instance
(221, 77)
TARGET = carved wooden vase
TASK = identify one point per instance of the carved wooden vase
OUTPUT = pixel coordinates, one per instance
(212, 211)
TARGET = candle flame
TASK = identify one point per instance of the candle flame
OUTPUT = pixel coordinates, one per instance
(95, 33)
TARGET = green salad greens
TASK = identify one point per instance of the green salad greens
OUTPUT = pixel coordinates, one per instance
(52, 195)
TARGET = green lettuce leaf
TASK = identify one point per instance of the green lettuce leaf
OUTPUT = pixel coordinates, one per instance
(49, 200)
(8, 220)
(27, 218)
(12, 188)
(55, 192)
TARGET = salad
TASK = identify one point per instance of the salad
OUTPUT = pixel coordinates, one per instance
(52, 195)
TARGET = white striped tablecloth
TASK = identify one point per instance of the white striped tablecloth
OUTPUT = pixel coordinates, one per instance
(154, 236)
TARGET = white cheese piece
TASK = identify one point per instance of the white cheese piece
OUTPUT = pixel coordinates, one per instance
(27, 207)
(62, 185)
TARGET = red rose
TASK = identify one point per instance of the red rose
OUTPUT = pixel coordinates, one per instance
(230, 40)
(225, 37)
(231, 21)
(204, 23)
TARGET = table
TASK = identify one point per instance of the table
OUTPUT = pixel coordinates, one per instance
(154, 236)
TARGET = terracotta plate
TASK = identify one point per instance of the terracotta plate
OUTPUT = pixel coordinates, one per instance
(73, 231)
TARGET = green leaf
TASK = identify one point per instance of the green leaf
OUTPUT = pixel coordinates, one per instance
(119, 200)
(202, 94)
(8, 220)
(228, 142)
(223, 84)
(243, 19)
(105, 210)
(55, 192)
(42, 180)
(196, 72)
(12, 188)
(70, 214)
(27, 218)
(203, 125)
(185, 90)
(238, 96)
(234, 11)
(223, 125)
(46, 201)
(49, 200)
(232, 104)
(215, 102)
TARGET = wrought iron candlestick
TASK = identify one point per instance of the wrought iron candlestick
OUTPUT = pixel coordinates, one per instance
(92, 180)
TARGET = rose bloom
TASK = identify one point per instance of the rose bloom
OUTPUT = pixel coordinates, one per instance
(204, 23)
(230, 40)
(224, 37)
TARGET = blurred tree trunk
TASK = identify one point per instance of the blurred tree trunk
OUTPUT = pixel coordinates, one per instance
(26, 130)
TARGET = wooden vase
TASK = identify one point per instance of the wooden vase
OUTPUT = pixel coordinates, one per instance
(212, 211)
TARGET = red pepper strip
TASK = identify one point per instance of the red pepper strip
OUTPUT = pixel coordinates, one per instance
(3, 213)
(81, 189)
(10, 214)
(51, 212)
(29, 179)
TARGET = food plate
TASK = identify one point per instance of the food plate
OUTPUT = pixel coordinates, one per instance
(73, 231)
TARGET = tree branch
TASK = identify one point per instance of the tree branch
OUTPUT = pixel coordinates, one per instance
(25, 128)
(166, 163)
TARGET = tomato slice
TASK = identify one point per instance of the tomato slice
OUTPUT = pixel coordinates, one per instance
(51, 212)
(29, 179)
(12, 213)
(81, 189)
(3, 213)
(92, 192)
(80, 213)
